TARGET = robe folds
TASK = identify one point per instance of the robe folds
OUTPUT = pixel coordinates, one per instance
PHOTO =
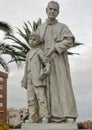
(60, 96)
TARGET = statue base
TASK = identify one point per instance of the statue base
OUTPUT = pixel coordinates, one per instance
(49, 126)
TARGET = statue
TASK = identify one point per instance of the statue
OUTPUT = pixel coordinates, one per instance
(57, 39)
(36, 70)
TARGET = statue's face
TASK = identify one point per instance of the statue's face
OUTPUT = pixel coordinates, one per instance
(52, 11)
(34, 41)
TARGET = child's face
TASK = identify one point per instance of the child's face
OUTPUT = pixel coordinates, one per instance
(34, 41)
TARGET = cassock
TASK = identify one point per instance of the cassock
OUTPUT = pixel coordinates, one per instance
(60, 96)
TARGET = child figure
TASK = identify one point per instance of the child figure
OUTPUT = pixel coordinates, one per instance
(36, 70)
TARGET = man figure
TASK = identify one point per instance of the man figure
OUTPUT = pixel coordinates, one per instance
(36, 70)
(58, 38)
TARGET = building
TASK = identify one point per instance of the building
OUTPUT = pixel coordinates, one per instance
(16, 116)
(3, 97)
(85, 125)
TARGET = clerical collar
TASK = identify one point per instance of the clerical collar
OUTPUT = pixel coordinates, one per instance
(50, 22)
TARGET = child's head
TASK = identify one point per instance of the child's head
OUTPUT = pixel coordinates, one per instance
(34, 40)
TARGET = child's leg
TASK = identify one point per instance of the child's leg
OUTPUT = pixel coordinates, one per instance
(32, 103)
(42, 101)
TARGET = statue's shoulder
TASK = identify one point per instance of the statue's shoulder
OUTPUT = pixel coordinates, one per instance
(41, 28)
(62, 24)
(42, 25)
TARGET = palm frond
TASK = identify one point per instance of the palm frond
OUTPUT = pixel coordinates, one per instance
(5, 27)
(8, 49)
(27, 30)
(39, 22)
(30, 25)
(20, 48)
(17, 41)
(36, 24)
(18, 60)
(77, 44)
(21, 54)
(25, 35)
(1, 44)
(20, 33)
(4, 64)
(72, 53)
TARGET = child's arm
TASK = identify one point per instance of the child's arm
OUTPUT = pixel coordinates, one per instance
(44, 60)
(46, 65)
(24, 79)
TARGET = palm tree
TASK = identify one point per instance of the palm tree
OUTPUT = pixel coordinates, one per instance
(7, 29)
(6, 48)
(22, 46)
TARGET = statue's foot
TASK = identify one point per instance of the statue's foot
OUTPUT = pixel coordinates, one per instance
(30, 120)
(70, 120)
(45, 120)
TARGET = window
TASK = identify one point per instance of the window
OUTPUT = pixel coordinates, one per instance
(1, 113)
(1, 79)
(14, 115)
(1, 104)
(21, 117)
(1, 87)
(1, 96)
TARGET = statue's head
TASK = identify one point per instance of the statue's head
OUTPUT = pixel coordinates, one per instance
(52, 10)
(35, 39)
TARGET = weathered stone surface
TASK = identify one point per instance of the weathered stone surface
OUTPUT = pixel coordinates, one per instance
(53, 101)
(49, 126)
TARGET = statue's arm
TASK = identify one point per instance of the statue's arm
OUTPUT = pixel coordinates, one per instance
(45, 61)
(43, 58)
(66, 42)
(63, 42)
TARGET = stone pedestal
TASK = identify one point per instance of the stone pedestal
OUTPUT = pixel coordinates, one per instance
(49, 126)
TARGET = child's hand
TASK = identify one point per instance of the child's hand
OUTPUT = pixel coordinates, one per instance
(47, 70)
(45, 73)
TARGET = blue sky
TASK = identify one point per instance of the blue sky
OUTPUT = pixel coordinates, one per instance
(77, 14)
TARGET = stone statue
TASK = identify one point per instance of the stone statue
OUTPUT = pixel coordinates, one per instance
(57, 39)
(36, 70)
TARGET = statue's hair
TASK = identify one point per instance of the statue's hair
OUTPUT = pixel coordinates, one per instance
(54, 2)
(34, 34)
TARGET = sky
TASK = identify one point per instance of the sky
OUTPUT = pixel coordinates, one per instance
(77, 14)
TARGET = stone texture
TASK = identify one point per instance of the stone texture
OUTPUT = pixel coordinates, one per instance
(57, 40)
(54, 99)
(49, 126)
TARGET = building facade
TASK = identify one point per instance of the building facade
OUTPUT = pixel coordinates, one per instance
(16, 116)
(3, 97)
